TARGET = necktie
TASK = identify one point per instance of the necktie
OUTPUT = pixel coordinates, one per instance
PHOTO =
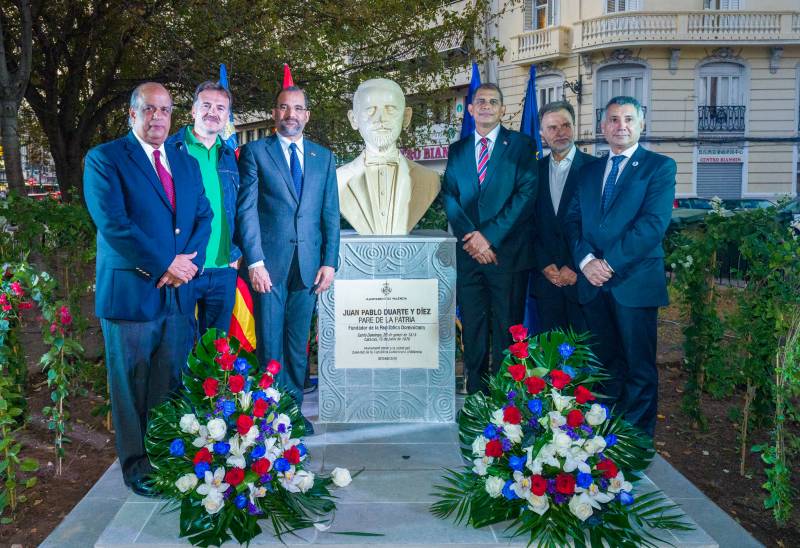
(483, 159)
(611, 180)
(165, 177)
(297, 171)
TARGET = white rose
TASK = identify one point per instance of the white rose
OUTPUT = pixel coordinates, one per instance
(494, 486)
(341, 477)
(304, 480)
(513, 432)
(556, 419)
(480, 466)
(594, 445)
(562, 443)
(479, 446)
(187, 482)
(580, 506)
(538, 504)
(596, 415)
(217, 429)
(272, 394)
(245, 399)
(213, 502)
(190, 424)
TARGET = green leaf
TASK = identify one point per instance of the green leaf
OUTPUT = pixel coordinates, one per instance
(30, 482)
(29, 465)
(5, 520)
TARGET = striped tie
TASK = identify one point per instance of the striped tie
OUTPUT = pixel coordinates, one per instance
(483, 159)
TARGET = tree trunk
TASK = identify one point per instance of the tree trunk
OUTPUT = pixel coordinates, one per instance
(68, 161)
(11, 148)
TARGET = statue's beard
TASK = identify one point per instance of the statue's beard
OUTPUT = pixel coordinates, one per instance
(382, 141)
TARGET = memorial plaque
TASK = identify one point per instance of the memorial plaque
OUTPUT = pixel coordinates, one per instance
(387, 323)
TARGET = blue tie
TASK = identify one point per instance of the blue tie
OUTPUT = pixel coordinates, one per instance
(297, 171)
(611, 180)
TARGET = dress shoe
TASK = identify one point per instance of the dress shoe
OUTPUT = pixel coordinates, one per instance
(142, 487)
(309, 427)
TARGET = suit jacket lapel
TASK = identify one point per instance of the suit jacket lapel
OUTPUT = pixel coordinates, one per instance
(180, 180)
(544, 180)
(275, 152)
(470, 166)
(594, 182)
(494, 160)
(628, 174)
(142, 162)
(312, 170)
(569, 185)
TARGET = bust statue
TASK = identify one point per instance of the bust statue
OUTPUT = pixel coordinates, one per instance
(382, 192)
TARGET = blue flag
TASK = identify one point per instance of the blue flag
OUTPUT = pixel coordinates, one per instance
(468, 123)
(229, 133)
(530, 114)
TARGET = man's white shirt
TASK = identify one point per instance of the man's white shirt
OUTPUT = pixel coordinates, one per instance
(148, 149)
(558, 176)
(288, 153)
(491, 138)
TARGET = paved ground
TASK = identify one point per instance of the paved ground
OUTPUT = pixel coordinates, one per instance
(391, 496)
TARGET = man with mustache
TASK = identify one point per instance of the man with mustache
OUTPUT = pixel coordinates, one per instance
(288, 228)
(153, 220)
(215, 287)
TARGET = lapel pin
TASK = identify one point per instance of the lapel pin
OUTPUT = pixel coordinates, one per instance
(313, 153)
(634, 164)
(505, 142)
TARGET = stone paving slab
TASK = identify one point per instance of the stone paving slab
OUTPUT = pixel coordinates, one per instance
(391, 496)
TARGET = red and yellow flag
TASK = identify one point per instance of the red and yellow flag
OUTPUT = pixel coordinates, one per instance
(243, 323)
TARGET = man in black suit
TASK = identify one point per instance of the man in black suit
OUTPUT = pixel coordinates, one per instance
(489, 189)
(616, 223)
(555, 278)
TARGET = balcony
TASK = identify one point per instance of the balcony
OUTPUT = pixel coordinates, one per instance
(684, 28)
(535, 46)
(721, 119)
(598, 114)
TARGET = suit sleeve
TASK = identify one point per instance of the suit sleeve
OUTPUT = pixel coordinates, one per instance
(198, 241)
(573, 228)
(520, 207)
(648, 229)
(451, 199)
(248, 228)
(105, 202)
(330, 218)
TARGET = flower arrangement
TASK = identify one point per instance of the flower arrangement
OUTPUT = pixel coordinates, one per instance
(547, 455)
(228, 451)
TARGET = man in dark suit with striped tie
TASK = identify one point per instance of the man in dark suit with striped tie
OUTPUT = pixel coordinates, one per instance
(616, 224)
(489, 189)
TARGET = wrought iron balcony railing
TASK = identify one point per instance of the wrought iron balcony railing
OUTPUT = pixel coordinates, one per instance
(721, 119)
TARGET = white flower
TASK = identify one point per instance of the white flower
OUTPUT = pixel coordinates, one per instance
(561, 402)
(481, 464)
(562, 443)
(538, 504)
(513, 432)
(186, 482)
(245, 399)
(618, 483)
(213, 483)
(213, 502)
(594, 445)
(202, 439)
(217, 429)
(494, 486)
(304, 480)
(576, 458)
(581, 506)
(594, 492)
(547, 455)
(272, 394)
(497, 418)
(190, 424)
(251, 435)
(282, 420)
(521, 485)
(596, 415)
(256, 492)
(479, 446)
(273, 449)
(239, 447)
(341, 477)
(556, 419)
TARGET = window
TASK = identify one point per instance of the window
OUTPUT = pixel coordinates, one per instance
(550, 88)
(617, 6)
(721, 98)
(544, 13)
(722, 4)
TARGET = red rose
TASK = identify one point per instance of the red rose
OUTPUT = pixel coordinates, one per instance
(17, 289)
(511, 415)
(261, 466)
(534, 385)
(225, 361)
(608, 468)
(582, 394)
(210, 386)
(273, 367)
(292, 455)
(517, 371)
(236, 383)
(234, 476)
(494, 448)
(222, 346)
(559, 379)
(204, 455)
(574, 418)
(518, 332)
(565, 484)
(243, 424)
(538, 485)
(259, 408)
(64, 315)
(519, 350)
(25, 305)
(266, 381)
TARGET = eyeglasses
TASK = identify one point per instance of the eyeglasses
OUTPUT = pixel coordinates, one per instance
(149, 110)
(297, 108)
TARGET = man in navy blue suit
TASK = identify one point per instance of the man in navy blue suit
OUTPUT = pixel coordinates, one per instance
(288, 228)
(616, 224)
(153, 222)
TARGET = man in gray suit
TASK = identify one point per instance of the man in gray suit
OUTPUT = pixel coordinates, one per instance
(288, 228)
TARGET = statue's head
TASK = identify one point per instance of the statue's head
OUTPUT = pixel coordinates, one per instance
(379, 112)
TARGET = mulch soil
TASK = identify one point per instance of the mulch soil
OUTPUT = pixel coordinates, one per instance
(709, 458)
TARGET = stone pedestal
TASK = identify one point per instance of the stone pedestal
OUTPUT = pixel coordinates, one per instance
(400, 387)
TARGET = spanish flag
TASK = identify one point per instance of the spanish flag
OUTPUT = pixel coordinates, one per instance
(243, 323)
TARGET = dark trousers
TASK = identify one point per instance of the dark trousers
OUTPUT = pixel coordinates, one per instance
(624, 340)
(215, 290)
(145, 361)
(283, 321)
(555, 310)
(489, 300)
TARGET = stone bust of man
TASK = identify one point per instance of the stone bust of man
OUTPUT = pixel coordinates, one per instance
(382, 192)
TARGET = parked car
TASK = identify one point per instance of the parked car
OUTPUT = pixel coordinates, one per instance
(747, 203)
(692, 203)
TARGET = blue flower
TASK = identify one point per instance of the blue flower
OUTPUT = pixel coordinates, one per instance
(625, 498)
(611, 440)
(511, 395)
(282, 465)
(584, 480)
(301, 449)
(201, 468)
(176, 448)
(506, 444)
(266, 478)
(490, 432)
(517, 463)
(241, 366)
(253, 510)
(568, 370)
(241, 500)
(566, 350)
(258, 452)
(507, 492)
(221, 448)
(259, 395)
(535, 406)
(228, 408)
